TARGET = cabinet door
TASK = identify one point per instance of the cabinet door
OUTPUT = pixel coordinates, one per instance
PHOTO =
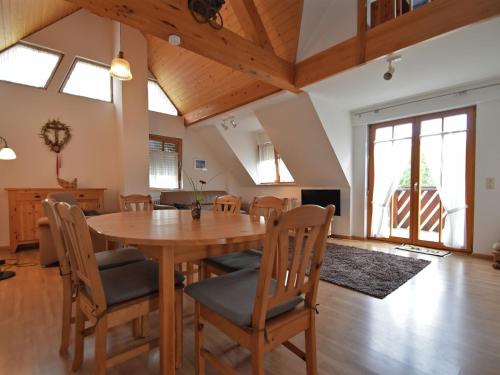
(26, 221)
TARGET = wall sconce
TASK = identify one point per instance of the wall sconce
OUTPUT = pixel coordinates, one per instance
(6, 153)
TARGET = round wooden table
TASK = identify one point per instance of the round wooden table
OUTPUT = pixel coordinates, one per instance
(172, 237)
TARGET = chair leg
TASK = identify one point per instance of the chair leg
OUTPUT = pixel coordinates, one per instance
(203, 271)
(178, 327)
(198, 327)
(66, 314)
(101, 330)
(258, 354)
(190, 272)
(311, 357)
(79, 327)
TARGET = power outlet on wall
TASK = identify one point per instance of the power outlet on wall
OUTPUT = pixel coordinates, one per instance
(490, 183)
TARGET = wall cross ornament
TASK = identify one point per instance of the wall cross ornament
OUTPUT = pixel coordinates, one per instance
(56, 136)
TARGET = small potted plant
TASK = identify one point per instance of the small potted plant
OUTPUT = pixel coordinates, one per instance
(198, 195)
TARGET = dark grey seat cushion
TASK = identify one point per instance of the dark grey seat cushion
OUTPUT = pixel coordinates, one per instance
(233, 296)
(133, 280)
(119, 257)
(236, 261)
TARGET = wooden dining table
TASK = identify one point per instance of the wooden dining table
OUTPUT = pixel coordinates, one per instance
(173, 237)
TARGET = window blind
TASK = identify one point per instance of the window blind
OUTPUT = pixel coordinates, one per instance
(163, 164)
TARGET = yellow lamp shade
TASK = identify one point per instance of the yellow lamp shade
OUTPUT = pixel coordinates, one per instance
(120, 68)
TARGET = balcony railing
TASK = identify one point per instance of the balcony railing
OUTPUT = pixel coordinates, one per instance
(431, 213)
(380, 11)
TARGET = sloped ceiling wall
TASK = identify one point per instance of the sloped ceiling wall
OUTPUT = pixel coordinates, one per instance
(224, 154)
(297, 132)
(20, 18)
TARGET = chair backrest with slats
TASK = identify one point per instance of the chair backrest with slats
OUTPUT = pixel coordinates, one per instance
(77, 238)
(227, 203)
(63, 196)
(264, 206)
(296, 241)
(136, 202)
(57, 237)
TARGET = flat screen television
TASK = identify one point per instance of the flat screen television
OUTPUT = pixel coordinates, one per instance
(322, 198)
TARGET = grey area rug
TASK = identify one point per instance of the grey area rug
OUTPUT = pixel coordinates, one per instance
(370, 272)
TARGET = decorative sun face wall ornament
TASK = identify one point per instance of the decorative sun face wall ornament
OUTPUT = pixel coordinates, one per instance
(56, 136)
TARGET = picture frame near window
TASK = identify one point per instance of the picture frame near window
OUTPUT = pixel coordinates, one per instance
(200, 164)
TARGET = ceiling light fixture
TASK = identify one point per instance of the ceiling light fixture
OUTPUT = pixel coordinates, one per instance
(390, 70)
(6, 153)
(174, 40)
(223, 124)
(120, 68)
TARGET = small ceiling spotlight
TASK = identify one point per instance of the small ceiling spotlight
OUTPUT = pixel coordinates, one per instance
(233, 122)
(223, 124)
(390, 70)
(174, 39)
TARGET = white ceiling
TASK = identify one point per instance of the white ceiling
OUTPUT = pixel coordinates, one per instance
(468, 55)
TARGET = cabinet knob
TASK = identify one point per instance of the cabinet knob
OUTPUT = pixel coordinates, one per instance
(82, 195)
(37, 196)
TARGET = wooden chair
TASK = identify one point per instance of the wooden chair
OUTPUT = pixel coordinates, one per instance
(136, 202)
(261, 312)
(105, 260)
(260, 207)
(111, 297)
(227, 203)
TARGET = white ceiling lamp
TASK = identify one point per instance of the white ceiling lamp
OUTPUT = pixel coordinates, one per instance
(6, 153)
(120, 68)
(174, 40)
(231, 121)
(390, 69)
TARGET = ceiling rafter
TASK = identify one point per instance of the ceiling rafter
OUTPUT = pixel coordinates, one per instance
(166, 17)
(251, 23)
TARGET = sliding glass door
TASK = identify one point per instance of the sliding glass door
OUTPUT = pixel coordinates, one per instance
(421, 180)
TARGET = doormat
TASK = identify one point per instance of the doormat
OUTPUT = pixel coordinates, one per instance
(423, 250)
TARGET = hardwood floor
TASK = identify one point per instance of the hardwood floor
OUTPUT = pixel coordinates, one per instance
(446, 320)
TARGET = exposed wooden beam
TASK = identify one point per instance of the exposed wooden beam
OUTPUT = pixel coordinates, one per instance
(162, 18)
(251, 23)
(434, 19)
(361, 31)
(225, 103)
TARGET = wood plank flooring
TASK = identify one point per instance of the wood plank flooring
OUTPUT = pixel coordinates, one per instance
(446, 320)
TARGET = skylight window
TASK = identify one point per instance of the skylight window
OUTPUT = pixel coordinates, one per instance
(89, 80)
(28, 65)
(158, 101)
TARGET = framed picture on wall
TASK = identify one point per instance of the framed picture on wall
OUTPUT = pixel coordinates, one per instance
(200, 164)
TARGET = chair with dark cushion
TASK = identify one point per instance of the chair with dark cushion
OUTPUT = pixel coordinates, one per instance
(67, 197)
(227, 204)
(110, 297)
(136, 202)
(260, 207)
(260, 311)
(105, 260)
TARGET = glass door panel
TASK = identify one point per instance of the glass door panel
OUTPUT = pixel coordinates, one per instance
(392, 174)
(443, 150)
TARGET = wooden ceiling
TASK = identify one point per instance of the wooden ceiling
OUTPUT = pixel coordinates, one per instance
(197, 84)
(20, 18)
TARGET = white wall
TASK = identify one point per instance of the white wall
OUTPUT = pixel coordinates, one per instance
(325, 23)
(487, 202)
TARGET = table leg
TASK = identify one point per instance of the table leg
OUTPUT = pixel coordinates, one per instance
(167, 312)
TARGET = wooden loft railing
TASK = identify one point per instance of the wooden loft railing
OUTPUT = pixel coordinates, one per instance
(380, 11)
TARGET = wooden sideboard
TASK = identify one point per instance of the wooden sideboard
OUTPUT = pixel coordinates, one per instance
(25, 208)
